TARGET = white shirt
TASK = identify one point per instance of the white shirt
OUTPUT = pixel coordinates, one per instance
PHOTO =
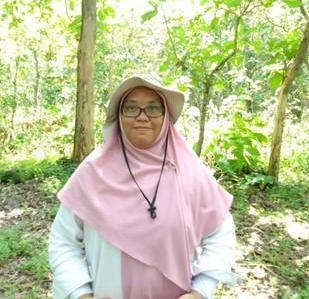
(80, 257)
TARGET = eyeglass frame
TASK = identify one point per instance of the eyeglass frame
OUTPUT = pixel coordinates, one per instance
(143, 110)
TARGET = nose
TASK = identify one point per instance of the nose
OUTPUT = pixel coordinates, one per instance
(142, 116)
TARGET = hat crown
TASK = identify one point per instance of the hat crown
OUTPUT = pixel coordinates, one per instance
(151, 78)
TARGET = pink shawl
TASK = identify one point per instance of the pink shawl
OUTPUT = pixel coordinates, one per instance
(190, 203)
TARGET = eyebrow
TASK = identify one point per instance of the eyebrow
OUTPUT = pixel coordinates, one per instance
(151, 102)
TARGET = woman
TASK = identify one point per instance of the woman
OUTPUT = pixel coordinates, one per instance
(134, 212)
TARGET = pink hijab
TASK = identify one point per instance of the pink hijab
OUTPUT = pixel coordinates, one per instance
(190, 203)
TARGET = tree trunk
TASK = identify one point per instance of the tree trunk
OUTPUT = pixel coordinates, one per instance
(203, 110)
(84, 122)
(273, 167)
(209, 81)
(14, 104)
(36, 86)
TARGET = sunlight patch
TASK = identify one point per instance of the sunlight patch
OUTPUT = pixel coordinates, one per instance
(296, 230)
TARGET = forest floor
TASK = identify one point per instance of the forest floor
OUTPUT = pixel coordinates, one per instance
(272, 230)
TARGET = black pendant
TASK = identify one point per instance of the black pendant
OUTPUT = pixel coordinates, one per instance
(152, 211)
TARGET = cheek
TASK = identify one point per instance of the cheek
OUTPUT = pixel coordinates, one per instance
(158, 125)
(126, 123)
(126, 126)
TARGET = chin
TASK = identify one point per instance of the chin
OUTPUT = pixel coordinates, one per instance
(142, 144)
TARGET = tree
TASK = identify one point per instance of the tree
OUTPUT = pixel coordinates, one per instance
(84, 121)
(200, 48)
(291, 72)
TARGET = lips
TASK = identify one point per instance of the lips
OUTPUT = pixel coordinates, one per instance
(142, 130)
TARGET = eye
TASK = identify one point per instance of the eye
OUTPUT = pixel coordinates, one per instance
(154, 108)
(131, 108)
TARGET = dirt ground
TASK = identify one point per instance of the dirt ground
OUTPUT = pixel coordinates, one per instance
(272, 256)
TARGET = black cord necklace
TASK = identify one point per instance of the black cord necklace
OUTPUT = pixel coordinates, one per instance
(152, 208)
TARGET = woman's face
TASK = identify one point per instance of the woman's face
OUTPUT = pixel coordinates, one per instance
(142, 130)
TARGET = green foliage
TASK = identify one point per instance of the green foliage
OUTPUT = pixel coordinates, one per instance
(289, 196)
(37, 265)
(236, 149)
(302, 294)
(259, 179)
(293, 3)
(105, 12)
(33, 140)
(276, 80)
(229, 3)
(296, 166)
(56, 172)
(295, 154)
(14, 244)
(149, 15)
(197, 45)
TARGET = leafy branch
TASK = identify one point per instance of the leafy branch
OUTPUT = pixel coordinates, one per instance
(235, 43)
(169, 33)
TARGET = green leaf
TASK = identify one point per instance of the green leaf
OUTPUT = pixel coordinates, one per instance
(232, 3)
(203, 28)
(269, 3)
(179, 33)
(275, 80)
(292, 40)
(219, 85)
(293, 3)
(228, 45)
(253, 152)
(109, 11)
(215, 58)
(246, 158)
(205, 52)
(148, 15)
(257, 45)
(75, 26)
(259, 136)
(71, 4)
(238, 121)
(106, 12)
(214, 23)
(167, 80)
(164, 67)
(182, 87)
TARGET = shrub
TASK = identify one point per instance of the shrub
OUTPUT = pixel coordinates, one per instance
(235, 149)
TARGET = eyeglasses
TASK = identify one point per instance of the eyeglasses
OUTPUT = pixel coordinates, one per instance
(151, 111)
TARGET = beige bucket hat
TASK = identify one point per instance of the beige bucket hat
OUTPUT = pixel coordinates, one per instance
(174, 99)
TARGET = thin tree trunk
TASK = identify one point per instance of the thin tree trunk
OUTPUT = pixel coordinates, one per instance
(66, 9)
(274, 160)
(36, 86)
(203, 111)
(14, 104)
(208, 84)
(84, 122)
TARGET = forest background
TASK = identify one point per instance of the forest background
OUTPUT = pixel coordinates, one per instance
(244, 70)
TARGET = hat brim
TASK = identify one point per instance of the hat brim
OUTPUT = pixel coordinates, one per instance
(174, 99)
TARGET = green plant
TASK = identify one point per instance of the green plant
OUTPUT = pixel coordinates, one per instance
(302, 293)
(13, 244)
(260, 180)
(236, 149)
(20, 171)
(37, 264)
